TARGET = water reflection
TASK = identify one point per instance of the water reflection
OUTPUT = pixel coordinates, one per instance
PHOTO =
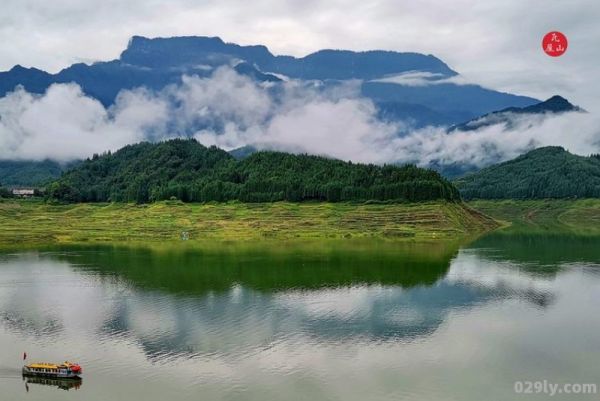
(218, 314)
(198, 271)
(16, 320)
(193, 303)
(539, 254)
(63, 384)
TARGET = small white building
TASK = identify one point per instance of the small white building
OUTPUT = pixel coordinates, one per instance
(23, 192)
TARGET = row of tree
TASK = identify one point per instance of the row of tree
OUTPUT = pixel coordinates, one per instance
(188, 171)
(5, 192)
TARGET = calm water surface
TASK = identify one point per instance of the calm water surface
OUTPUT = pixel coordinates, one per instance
(335, 321)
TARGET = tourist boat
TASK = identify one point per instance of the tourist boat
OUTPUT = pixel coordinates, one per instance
(66, 370)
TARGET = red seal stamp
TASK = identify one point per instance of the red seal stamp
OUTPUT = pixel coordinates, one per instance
(555, 43)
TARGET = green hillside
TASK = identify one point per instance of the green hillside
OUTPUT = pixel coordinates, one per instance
(191, 172)
(549, 172)
(28, 173)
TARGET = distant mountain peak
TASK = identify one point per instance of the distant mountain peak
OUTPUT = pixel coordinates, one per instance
(550, 148)
(554, 104)
(189, 50)
(557, 99)
(140, 41)
(19, 69)
(557, 103)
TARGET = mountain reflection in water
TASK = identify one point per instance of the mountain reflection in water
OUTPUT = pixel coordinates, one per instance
(202, 313)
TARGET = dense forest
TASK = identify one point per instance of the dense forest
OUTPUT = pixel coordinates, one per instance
(549, 172)
(188, 171)
(30, 173)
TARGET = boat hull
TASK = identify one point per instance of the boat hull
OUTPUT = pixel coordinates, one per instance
(51, 375)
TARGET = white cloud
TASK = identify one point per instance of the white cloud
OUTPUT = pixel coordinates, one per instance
(65, 124)
(577, 132)
(346, 129)
(412, 78)
(423, 78)
(230, 110)
(227, 96)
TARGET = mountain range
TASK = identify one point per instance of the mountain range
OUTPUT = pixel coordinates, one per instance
(411, 87)
(436, 99)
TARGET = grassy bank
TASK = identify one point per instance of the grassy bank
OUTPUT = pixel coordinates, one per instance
(28, 221)
(577, 217)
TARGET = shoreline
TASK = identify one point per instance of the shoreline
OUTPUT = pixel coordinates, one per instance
(35, 222)
(576, 217)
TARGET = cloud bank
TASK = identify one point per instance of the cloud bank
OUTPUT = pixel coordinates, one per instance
(230, 110)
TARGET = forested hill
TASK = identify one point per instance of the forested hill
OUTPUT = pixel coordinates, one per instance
(549, 172)
(29, 173)
(191, 172)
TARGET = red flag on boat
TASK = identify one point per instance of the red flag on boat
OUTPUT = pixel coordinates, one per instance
(24, 355)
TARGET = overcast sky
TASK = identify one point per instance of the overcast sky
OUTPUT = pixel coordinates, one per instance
(495, 42)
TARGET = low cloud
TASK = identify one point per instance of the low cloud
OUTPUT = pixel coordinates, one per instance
(230, 110)
(577, 132)
(64, 124)
(423, 78)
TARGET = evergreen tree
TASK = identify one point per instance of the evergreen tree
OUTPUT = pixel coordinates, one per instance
(188, 171)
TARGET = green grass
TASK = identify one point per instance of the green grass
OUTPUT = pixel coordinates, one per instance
(31, 221)
(577, 217)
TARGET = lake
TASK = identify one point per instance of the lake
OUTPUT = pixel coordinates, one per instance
(342, 320)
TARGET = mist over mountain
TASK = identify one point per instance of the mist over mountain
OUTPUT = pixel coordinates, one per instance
(156, 63)
(371, 107)
(196, 51)
(555, 104)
